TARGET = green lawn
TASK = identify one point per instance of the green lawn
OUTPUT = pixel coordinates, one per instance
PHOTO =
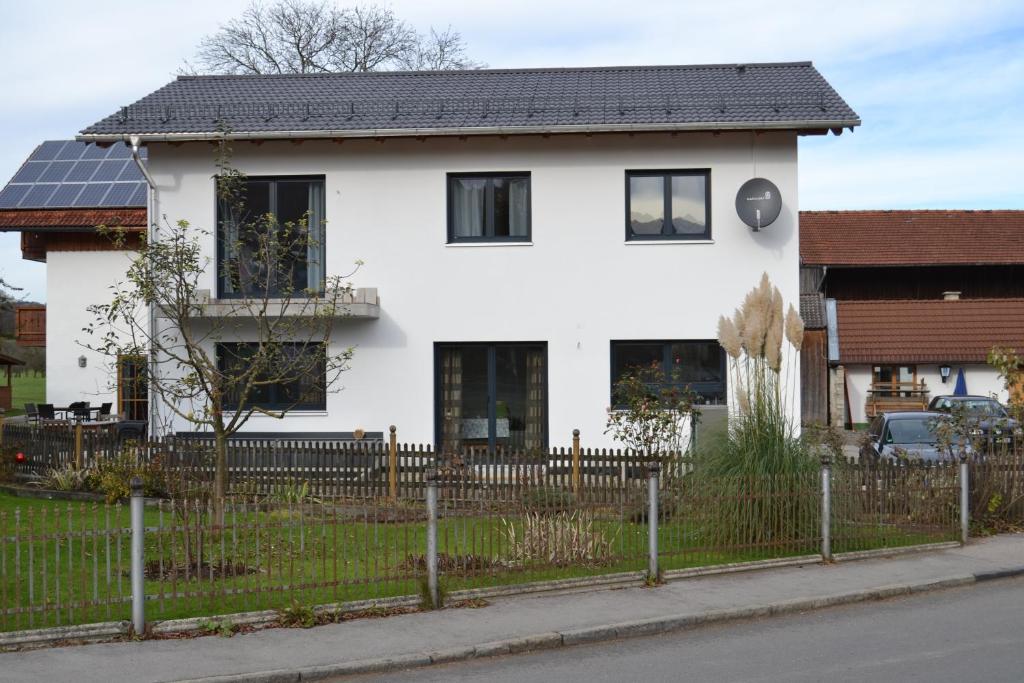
(322, 554)
(26, 389)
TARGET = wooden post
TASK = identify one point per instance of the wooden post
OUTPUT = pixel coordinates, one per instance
(78, 447)
(393, 464)
(575, 459)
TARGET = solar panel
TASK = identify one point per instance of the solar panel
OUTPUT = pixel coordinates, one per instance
(67, 173)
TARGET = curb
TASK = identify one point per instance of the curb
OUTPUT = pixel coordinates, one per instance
(594, 634)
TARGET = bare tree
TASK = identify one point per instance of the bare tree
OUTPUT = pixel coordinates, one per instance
(311, 36)
(213, 362)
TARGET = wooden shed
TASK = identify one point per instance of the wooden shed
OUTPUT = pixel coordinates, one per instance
(6, 363)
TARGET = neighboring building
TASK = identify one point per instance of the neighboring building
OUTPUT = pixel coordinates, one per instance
(527, 234)
(58, 197)
(911, 296)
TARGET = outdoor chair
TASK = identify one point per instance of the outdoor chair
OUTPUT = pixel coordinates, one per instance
(31, 412)
(46, 411)
(105, 409)
(80, 409)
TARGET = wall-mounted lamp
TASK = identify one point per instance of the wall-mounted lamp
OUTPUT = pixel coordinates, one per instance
(82, 360)
(944, 371)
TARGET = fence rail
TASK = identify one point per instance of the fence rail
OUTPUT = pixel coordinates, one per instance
(496, 524)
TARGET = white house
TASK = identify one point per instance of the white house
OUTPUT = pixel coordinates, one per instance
(527, 234)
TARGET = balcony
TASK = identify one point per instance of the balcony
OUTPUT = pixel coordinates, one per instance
(362, 303)
(30, 326)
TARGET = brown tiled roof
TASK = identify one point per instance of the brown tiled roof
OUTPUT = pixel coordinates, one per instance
(911, 238)
(812, 310)
(929, 331)
(36, 219)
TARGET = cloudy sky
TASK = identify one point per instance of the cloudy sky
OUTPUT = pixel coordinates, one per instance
(937, 83)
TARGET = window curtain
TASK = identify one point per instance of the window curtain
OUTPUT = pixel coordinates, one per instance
(535, 418)
(229, 235)
(451, 401)
(519, 207)
(317, 234)
(468, 202)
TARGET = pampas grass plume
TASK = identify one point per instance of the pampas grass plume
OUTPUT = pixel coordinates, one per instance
(729, 337)
(794, 328)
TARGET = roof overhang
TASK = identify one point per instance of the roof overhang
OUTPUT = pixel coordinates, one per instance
(808, 127)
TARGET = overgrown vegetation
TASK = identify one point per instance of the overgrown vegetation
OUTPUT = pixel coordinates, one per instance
(560, 539)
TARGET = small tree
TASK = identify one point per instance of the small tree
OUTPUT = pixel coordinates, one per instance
(307, 36)
(652, 411)
(210, 362)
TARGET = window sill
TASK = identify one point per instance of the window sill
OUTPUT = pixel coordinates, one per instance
(648, 242)
(489, 244)
(300, 413)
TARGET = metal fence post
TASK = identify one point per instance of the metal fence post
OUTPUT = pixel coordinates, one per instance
(965, 500)
(826, 508)
(137, 566)
(432, 538)
(575, 459)
(393, 464)
(652, 520)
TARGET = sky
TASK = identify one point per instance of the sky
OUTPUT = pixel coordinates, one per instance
(938, 84)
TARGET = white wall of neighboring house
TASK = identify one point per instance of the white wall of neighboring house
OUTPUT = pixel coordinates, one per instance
(74, 281)
(577, 286)
(982, 380)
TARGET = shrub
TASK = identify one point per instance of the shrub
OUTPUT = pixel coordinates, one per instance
(113, 475)
(561, 539)
(67, 478)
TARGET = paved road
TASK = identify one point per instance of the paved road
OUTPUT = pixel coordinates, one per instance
(967, 634)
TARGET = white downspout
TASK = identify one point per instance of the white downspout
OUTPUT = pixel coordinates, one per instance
(152, 231)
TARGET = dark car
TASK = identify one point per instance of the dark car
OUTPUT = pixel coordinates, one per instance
(986, 417)
(911, 434)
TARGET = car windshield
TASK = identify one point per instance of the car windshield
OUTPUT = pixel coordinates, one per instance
(982, 408)
(912, 430)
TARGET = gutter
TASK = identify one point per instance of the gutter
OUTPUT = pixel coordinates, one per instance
(488, 130)
(152, 231)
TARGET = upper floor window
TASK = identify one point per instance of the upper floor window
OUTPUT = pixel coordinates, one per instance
(698, 365)
(270, 237)
(668, 205)
(488, 207)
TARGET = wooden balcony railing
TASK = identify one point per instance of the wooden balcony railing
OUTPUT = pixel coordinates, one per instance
(893, 396)
(30, 326)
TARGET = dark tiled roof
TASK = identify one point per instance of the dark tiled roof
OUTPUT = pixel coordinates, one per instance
(700, 97)
(929, 331)
(812, 310)
(911, 238)
(33, 219)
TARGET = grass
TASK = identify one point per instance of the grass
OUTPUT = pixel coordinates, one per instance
(26, 388)
(323, 555)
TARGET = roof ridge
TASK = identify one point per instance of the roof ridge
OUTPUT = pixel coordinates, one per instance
(541, 69)
(875, 302)
(899, 211)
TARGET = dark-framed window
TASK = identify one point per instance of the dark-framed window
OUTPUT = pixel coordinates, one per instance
(298, 206)
(491, 396)
(488, 207)
(307, 392)
(697, 364)
(668, 205)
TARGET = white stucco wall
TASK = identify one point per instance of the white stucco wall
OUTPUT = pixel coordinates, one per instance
(576, 287)
(982, 380)
(74, 281)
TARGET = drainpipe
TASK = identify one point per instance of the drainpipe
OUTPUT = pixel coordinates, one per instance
(152, 229)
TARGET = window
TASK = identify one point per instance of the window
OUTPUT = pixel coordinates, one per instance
(684, 197)
(283, 254)
(132, 391)
(699, 365)
(894, 380)
(491, 396)
(305, 392)
(491, 207)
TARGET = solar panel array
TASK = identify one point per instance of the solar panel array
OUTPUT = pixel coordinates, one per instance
(67, 174)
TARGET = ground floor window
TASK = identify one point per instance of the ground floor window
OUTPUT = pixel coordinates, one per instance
(132, 390)
(894, 380)
(697, 364)
(305, 391)
(491, 396)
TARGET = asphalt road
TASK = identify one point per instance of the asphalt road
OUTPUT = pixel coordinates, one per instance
(968, 634)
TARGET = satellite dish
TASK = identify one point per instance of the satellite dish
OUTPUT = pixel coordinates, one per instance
(758, 203)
